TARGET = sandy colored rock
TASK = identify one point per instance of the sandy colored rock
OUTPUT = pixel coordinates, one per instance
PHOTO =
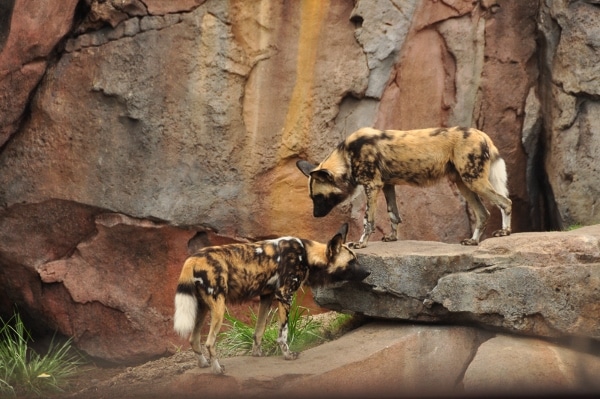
(379, 359)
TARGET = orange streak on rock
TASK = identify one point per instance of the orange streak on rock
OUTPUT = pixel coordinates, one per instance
(301, 107)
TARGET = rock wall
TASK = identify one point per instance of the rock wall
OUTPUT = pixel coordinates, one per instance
(181, 121)
(569, 93)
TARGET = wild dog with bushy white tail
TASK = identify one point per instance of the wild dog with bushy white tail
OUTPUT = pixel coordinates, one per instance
(380, 159)
(271, 269)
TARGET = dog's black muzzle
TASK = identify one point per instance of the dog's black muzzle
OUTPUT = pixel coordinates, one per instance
(320, 212)
(322, 205)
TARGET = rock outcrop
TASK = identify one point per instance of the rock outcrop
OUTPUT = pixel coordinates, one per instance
(536, 284)
(91, 282)
(568, 89)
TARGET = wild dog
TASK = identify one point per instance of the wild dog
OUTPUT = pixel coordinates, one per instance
(271, 269)
(380, 159)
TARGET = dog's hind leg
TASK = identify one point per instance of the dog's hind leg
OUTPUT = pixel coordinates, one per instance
(481, 213)
(196, 337)
(389, 191)
(505, 205)
(483, 188)
(261, 323)
(217, 307)
(282, 339)
(506, 228)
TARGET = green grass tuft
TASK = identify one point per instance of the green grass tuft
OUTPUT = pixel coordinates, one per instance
(25, 372)
(303, 331)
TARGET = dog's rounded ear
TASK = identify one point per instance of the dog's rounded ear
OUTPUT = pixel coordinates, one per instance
(334, 246)
(305, 167)
(323, 175)
(343, 231)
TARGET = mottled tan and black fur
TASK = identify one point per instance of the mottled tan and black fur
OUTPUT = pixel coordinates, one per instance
(271, 269)
(380, 159)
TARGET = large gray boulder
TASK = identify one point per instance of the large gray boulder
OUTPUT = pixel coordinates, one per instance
(536, 284)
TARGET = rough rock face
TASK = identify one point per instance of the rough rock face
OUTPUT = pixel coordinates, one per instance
(445, 361)
(537, 284)
(112, 295)
(188, 116)
(380, 360)
(29, 32)
(571, 31)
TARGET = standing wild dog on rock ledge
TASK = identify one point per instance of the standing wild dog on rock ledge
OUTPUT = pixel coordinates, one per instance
(380, 159)
(271, 269)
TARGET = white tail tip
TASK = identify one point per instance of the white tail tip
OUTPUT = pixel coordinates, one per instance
(498, 177)
(185, 314)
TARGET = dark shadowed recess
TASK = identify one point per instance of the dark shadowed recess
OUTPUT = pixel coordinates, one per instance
(6, 10)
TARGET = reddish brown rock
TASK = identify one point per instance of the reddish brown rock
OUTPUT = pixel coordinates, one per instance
(35, 30)
(160, 7)
(123, 311)
(507, 76)
(84, 276)
(377, 360)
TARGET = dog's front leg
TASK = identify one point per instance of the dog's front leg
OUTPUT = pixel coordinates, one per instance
(389, 191)
(282, 339)
(261, 323)
(371, 192)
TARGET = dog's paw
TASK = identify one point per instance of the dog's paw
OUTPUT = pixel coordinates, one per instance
(469, 241)
(291, 355)
(389, 237)
(356, 245)
(217, 368)
(256, 352)
(202, 362)
(501, 233)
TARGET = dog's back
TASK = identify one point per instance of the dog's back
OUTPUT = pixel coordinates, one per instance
(417, 157)
(238, 271)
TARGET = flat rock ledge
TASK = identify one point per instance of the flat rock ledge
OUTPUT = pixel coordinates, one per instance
(535, 284)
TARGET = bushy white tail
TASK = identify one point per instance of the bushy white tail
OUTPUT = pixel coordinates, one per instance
(186, 308)
(498, 176)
